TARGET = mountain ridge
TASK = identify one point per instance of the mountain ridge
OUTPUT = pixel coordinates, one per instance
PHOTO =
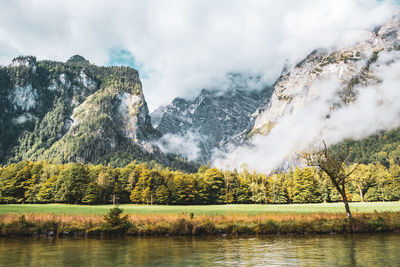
(323, 64)
(351, 69)
(215, 119)
(75, 111)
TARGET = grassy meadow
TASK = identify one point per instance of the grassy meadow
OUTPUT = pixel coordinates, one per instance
(143, 220)
(242, 209)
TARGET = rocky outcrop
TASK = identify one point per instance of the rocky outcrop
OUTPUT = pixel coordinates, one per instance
(212, 119)
(350, 66)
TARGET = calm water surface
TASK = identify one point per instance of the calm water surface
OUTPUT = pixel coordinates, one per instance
(321, 250)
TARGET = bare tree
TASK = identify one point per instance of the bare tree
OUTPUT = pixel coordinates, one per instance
(332, 163)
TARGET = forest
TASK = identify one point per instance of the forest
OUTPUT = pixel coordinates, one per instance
(152, 183)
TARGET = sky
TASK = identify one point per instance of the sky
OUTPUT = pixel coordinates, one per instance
(183, 46)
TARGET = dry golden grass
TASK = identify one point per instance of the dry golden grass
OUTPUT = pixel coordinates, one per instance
(187, 224)
(156, 218)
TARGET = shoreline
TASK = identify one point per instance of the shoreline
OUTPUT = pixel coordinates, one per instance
(50, 225)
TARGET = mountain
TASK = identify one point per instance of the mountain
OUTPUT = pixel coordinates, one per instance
(327, 83)
(350, 65)
(212, 120)
(216, 119)
(74, 111)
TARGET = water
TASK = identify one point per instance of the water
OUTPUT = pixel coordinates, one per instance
(321, 250)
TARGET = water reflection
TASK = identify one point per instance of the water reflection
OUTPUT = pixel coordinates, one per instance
(323, 250)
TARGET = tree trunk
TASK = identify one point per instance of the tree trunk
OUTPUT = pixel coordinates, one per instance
(346, 206)
(361, 193)
(114, 199)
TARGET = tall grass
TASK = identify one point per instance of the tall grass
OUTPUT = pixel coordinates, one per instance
(185, 224)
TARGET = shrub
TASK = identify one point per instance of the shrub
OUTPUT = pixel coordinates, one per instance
(115, 222)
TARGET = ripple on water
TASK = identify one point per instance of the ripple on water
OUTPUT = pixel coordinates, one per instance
(296, 250)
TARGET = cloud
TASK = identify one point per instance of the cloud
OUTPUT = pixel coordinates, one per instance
(186, 145)
(293, 133)
(185, 45)
(376, 108)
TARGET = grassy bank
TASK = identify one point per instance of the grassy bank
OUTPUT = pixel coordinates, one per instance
(190, 224)
(246, 209)
(142, 220)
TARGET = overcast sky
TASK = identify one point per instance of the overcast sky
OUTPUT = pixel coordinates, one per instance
(183, 46)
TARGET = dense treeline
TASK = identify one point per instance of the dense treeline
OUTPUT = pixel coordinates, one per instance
(380, 147)
(44, 182)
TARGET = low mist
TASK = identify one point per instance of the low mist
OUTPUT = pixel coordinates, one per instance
(376, 108)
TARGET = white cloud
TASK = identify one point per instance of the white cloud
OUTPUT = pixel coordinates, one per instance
(186, 145)
(376, 108)
(185, 45)
(293, 133)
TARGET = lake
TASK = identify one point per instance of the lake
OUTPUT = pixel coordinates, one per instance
(288, 250)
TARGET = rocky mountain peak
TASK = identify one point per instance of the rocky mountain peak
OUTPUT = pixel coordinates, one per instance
(54, 110)
(349, 65)
(77, 60)
(212, 119)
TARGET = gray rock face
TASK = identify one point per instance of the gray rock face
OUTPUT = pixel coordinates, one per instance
(309, 96)
(213, 118)
(350, 66)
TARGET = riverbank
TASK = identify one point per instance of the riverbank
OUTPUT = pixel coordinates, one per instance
(50, 225)
(226, 209)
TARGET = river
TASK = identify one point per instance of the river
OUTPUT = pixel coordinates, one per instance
(295, 250)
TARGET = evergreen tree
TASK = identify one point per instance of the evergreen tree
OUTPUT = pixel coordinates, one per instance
(305, 187)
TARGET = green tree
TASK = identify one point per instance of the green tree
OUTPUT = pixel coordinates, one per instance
(214, 181)
(15, 181)
(184, 189)
(279, 192)
(305, 187)
(91, 194)
(382, 179)
(47, 190)
(144, 191)
(162, 194)
(72, 183)
(360, 179)
(106, 184)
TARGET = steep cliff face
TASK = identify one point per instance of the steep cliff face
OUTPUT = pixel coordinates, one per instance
(349, 66)
(73, 111)
(211, 120)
